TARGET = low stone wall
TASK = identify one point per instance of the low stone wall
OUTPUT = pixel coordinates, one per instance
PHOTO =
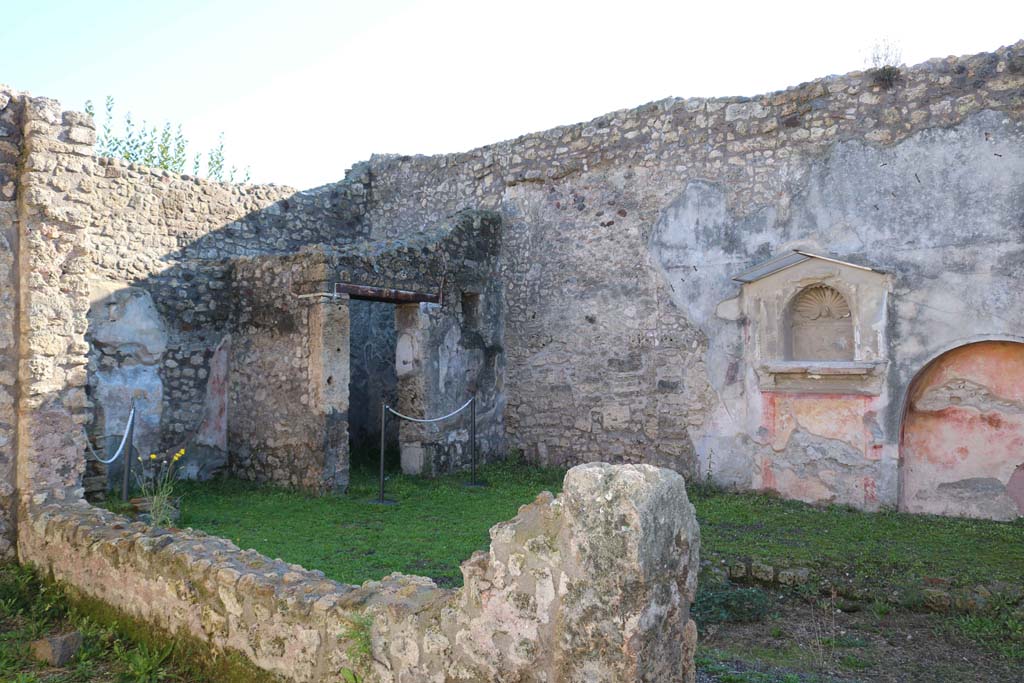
(594, 585)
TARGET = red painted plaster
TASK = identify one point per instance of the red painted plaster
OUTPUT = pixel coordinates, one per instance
(971, 437)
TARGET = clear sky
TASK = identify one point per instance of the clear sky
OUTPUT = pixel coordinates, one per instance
(305, 89)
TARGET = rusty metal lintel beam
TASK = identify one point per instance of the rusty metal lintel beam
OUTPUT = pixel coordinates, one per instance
(394, 296)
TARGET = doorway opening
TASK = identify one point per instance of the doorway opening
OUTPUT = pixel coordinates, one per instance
(373, 382)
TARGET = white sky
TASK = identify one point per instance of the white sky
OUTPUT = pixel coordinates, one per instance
(304, 89)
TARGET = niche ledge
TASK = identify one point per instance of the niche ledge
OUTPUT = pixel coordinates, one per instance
(856, 377)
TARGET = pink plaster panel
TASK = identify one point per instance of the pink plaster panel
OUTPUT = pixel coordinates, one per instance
(214, 429)
(833, 416)
(843, 418)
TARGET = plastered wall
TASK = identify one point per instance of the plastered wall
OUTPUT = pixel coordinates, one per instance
(622, 235)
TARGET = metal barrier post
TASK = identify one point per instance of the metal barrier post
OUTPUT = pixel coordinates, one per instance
(127, 455)
(383, 427)
(473, 482)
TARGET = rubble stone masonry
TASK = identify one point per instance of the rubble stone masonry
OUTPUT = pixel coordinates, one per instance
(535, 608)
(621, 236)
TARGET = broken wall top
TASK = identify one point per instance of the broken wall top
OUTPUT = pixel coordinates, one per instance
(460, 249)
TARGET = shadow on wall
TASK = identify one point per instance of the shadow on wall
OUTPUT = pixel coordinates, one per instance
(159, 337)
(155, 338)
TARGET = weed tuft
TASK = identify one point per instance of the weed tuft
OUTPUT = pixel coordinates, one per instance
(730, 605)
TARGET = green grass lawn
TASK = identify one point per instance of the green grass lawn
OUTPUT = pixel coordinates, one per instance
(436, 524)
(882, 548)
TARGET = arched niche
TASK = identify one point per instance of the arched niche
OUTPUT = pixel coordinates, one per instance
(818, 326)
(962, 437)
(815, 324)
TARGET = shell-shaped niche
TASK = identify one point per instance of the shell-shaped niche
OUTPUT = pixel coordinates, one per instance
(820, 302)
(821, 327)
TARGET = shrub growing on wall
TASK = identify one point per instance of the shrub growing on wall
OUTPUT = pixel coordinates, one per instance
(165, 147)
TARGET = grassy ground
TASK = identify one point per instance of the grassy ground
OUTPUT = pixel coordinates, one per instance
(808, 640)
(881, 548)
(754, 635)
(436, 524)
(114, 649)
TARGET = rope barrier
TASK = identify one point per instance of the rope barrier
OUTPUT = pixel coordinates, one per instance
(120, 449)
(435, 419)
(385, 409)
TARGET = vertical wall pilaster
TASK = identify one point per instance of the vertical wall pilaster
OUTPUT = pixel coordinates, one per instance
(10, 152)
(329, 376)
(411, 326)
(53, 299)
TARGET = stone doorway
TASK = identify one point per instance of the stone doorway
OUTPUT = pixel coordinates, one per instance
(962, 444)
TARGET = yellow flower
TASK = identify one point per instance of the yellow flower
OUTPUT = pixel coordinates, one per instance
(152, 456)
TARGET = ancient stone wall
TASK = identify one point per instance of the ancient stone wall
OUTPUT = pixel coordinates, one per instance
(622, 234)
(148, 250)
(457, 350)
(53, 300)
(173, 235)
(10, 153)
(611, 333)
(535, 608)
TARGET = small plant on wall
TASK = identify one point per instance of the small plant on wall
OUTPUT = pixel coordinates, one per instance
(358, 633)
(884, 62)
(157, 486)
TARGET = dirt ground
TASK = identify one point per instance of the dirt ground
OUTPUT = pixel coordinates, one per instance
(799, 642)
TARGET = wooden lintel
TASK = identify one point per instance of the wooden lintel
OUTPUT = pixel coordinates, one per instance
(394, 296)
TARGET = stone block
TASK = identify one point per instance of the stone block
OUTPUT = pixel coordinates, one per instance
(57, 650)
(793, 577)
(413, 458)
(762, 571)
(937, 599)
(738, 570)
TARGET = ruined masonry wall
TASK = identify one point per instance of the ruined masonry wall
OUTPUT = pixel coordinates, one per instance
(289, 376)
(53, 302)
(534, 609)
(613, 261)
(85, 227)
(173, 236)
(10, 152)
(102, 225)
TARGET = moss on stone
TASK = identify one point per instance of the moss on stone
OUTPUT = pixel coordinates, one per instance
(198, 659)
